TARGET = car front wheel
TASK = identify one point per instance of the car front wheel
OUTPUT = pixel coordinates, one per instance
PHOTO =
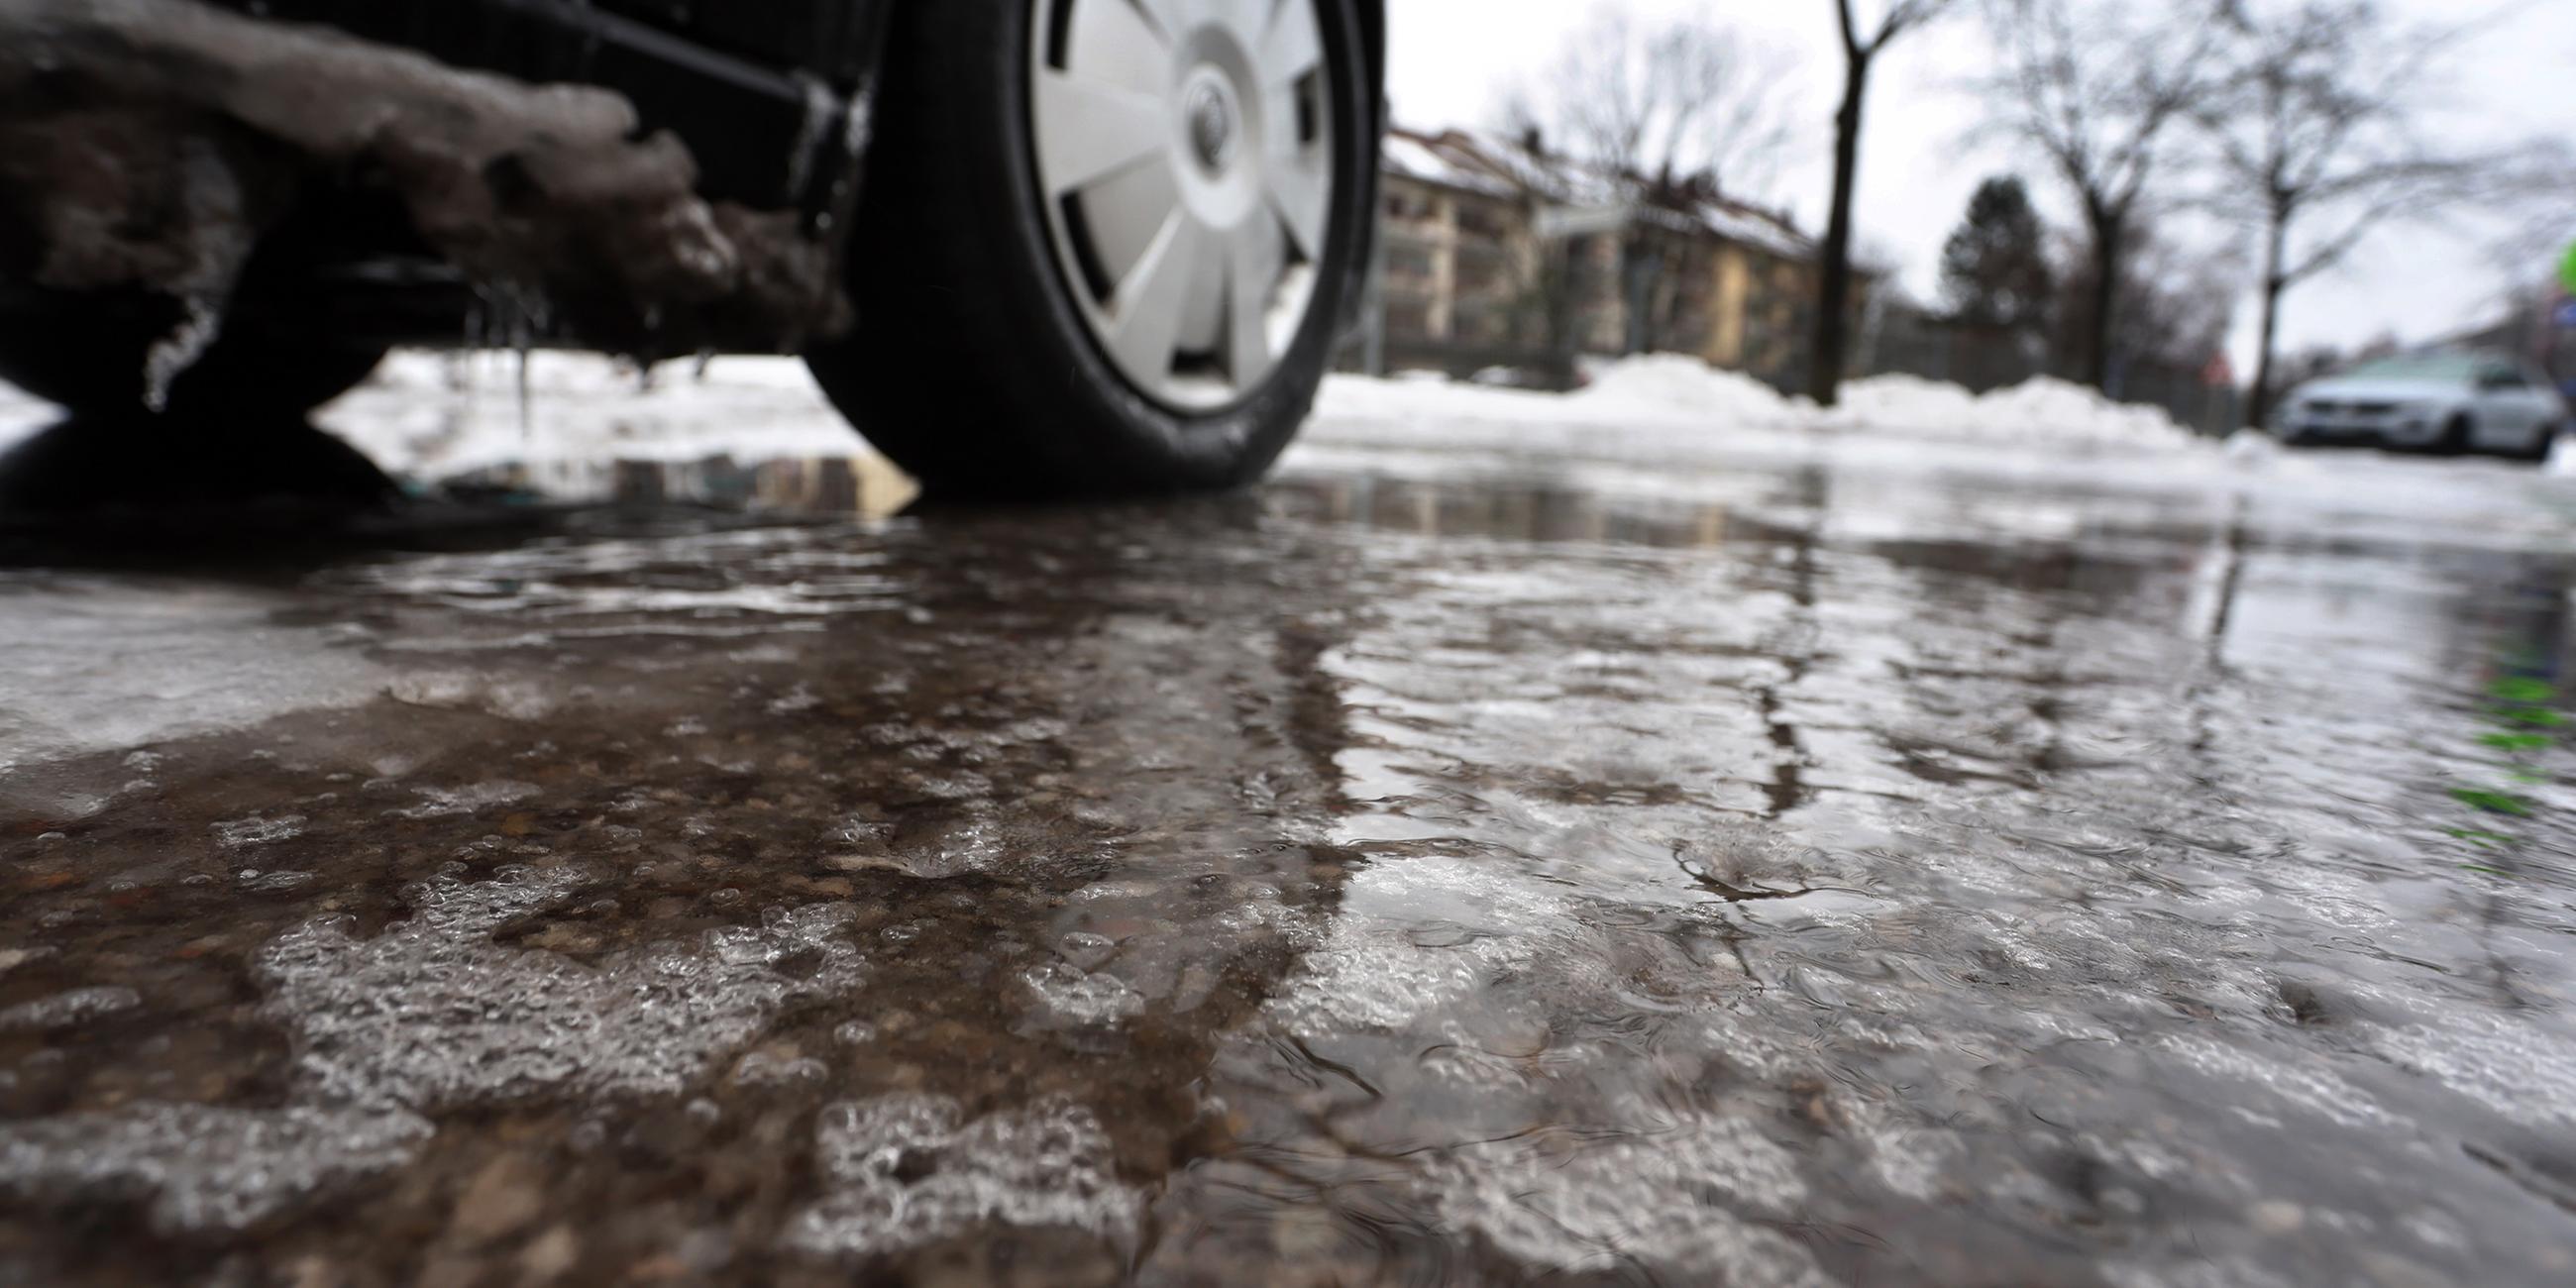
(2459, 435)
(1106, 242)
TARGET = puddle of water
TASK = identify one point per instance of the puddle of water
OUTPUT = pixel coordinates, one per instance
(1819, 879)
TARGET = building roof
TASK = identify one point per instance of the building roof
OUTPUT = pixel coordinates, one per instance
(1752, 226)
(1496, 166)
(1422, 158)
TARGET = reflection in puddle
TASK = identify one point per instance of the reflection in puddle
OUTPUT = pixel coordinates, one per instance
(143, 464)
(862, 485)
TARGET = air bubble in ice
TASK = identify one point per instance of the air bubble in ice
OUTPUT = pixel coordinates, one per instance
(1070, 995)
(1675, 1199)
(256, 830)
(1086, 951)
(762, 1069)
(204, 1168)
(433, 1013)
(64, 1010)
(907, 1170)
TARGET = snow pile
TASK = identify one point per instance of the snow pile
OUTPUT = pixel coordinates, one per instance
(1665, 392)
(1644, 399)
(2252, 448)
(2562, 458)
(2059, 411)
(437, 415)
(1923, 406)
(2042, 412)
(1411, 397)
(557, 373)
(1669, 384)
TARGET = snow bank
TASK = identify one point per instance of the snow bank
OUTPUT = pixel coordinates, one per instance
(1660, 392)
(1665, 384)
(437, 415)
(2043, 412)
(1666, 392)
(1411, 398)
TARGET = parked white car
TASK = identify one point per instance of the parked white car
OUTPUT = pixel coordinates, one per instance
(2451, 402)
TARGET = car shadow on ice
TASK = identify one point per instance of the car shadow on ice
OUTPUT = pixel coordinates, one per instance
(93, 464)
(143, 482)
(144, 491)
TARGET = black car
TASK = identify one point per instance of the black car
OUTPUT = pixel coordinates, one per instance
(1079, 246)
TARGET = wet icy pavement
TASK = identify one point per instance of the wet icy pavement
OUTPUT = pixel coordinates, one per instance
(1420, 872)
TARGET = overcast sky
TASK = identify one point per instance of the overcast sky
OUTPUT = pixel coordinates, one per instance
(1454, 60)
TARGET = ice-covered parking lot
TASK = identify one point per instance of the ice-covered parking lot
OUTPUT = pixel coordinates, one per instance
(1658, 834)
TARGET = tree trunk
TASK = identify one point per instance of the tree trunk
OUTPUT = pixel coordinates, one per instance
(2275, 247)
(1564, 339)
(1833, 294)
(2108, 230)
(1637, 293)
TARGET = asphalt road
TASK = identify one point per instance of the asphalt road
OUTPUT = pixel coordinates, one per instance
(1481, 862)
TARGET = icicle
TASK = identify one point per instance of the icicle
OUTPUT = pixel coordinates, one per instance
(527, 422)
(809, 137)
(520, 343)
(478, 329)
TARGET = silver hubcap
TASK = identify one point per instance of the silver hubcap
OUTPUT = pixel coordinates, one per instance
(1212, 128)
(1185, 150)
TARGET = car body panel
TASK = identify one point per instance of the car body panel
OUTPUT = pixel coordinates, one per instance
(2515, 408)
(2505, 407)
(764, 120)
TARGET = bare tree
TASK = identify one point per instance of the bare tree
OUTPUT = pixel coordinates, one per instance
(2319, 142)
(2537, 236)
(1663, 113)
(2178, 302)
(1664, 101)
(2096, 87)
(1863, 42)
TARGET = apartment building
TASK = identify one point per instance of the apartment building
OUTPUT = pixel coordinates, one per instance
(1499, 253)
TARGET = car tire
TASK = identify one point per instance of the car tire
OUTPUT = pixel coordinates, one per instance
(985, 360)
(88, 354)
(2457, 437)
(2543, 441)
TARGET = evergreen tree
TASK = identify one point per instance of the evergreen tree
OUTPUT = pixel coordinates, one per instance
(1995, 271)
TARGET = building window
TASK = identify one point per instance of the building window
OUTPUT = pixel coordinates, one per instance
(1408, 263)
(1408, 318)
(1479, 221)
(1402, 203)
